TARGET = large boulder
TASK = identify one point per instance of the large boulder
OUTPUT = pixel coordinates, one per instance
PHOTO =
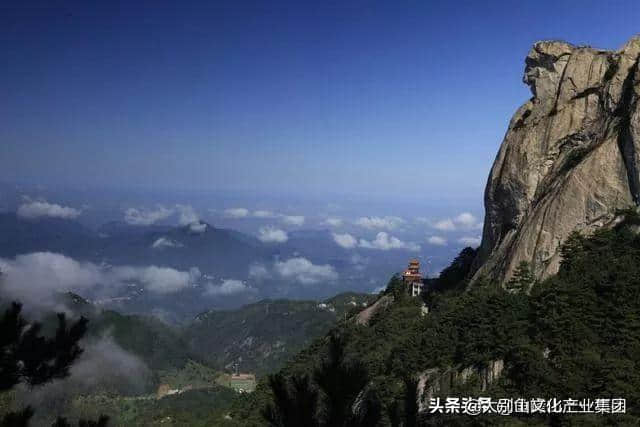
(569, 159)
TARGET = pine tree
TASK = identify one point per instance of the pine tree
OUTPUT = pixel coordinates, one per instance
(295, 402)
(28, 357)
(337, 397)
(522, 279)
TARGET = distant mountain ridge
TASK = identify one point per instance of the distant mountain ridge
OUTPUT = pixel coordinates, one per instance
(225, 251)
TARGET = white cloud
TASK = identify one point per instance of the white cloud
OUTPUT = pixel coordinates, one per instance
(373, 222)
(34, 278)
(165, 242)
(33, 209)
(345, 240)
(470, 241)
(272, 235)
(187, 215)
(293, 219)
(445, 225)
(197, 227)
(385, 242)
(135, 216)
(359, 262)
(259, 272)
(304, 271)
(42, 273)
(379, 289)
(236, 213)
(333, 222)
(103, 366)
(228, 287)
(436, 240)
(161, 280)
(465, 219)
(264, 214)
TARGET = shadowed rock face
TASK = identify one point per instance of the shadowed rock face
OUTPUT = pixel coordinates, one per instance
(569, 159)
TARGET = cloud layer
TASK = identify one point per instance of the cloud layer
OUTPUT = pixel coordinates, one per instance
(376, 222)
(236, 213)
(165, 242)
(227, 287)
(436, 240)
(464, 221)
(35, 278)
(297, 269)
(135, 216)
(187, 215)
(385, 242)
(333, 222)
(470, 241)
(345, 240)
(103, 366)
(272, 235)
(33, 209)
(304, 271)
(293, 219)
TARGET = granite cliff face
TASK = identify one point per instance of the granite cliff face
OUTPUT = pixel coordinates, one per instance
(569, 159)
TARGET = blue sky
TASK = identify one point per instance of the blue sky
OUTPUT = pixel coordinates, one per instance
(364, 98)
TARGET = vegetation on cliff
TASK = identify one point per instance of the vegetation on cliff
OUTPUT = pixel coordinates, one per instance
(575, 335)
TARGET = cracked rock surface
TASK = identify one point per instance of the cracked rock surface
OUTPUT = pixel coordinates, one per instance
(569, 160)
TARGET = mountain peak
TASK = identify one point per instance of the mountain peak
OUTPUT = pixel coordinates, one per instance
(569, 159)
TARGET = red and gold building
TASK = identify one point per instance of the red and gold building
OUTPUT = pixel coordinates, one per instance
(413, 278)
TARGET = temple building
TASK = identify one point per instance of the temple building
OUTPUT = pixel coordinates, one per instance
(412, 278)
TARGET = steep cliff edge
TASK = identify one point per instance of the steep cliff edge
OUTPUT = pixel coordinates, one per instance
(569, 159)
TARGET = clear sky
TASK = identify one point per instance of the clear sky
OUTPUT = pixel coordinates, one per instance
(318, 97)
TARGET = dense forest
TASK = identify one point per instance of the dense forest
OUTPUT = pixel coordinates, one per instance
(575, 335)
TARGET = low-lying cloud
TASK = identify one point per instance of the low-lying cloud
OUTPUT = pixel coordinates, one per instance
(385, 242)
(444, 225)
(264, 214)
(437, 240)
(227, 287)
(375, 222)
(236, 213)
(304, 271)
(197, 227)
(464, 221)
(345, 240)
(293, 219)
(103, 366)
(470, 241)
(259, 272)
(165, 242)
(297, 269)
(272, 235)
(333, 222)
(187, 215)
(36, 277)
(135, 216)
(36, 209)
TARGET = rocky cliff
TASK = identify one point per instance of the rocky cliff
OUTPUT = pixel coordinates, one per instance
(569, 159)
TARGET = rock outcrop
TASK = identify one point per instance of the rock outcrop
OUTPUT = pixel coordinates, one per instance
(569, 159)
(433, 382)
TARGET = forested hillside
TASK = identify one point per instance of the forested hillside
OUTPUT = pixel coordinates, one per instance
(575, 335)
(261, 337)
